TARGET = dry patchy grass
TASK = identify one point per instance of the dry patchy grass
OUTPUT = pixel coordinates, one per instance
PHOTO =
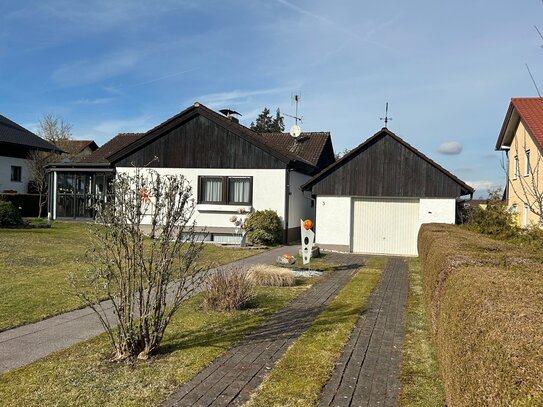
(82, 375)
(271, 276)
(35, 263)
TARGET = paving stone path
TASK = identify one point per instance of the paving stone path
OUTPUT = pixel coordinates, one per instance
(231, 378)
(368, 373)
(23, 345)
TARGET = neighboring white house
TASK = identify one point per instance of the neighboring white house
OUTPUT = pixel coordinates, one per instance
(228, 165)
(16, 143)
(374, 199)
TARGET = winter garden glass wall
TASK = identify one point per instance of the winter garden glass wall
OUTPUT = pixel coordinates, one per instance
(79, 193)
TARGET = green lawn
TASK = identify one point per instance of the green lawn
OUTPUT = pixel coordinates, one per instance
(34, 264)
(421, 384)
(300, 375)
(83, 376)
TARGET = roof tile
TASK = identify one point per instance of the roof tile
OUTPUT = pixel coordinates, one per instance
(531, 112)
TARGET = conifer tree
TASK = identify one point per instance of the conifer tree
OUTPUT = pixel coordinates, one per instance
(265, 123)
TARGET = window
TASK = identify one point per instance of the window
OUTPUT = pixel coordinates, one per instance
(225, 190)
(528, 167)
(515, 175)
(15, 173)
(211, 190)
(239, 190)
(526, 212)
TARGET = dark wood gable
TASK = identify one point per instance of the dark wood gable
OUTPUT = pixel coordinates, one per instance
(201, 143)
(385, 166)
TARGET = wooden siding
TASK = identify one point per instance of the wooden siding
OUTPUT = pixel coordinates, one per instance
(201, 143)
(386, 168)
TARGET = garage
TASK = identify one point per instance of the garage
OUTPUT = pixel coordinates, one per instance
(385, 226)
(374, 199)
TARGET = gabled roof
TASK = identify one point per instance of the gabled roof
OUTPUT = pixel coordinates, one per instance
(113, 146)
(308, 146)
(527, 110)
(12, 133)
(272, 145)
(384, 132)
(77, 146)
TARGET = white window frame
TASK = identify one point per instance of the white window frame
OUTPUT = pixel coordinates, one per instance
(526, 212)
(527, 167)
(516, 168)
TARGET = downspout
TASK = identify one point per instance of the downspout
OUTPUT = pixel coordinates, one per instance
(287, 202)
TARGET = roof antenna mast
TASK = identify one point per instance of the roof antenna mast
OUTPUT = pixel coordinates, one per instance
(386, 119)
(295, 130)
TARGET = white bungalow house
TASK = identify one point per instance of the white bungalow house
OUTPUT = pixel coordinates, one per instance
(228, 165)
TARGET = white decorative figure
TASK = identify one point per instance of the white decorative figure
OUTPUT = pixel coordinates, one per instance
(308, 239)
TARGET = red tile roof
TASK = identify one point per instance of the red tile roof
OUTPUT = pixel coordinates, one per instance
(531, 112)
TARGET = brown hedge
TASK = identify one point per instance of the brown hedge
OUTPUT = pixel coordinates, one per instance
(485, 304)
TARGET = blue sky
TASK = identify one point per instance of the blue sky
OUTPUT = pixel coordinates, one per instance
(447, 69)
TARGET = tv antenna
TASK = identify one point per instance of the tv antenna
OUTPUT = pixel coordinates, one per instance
(386, 119)
(295, 130)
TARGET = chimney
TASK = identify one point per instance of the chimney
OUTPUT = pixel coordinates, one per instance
(230, 114)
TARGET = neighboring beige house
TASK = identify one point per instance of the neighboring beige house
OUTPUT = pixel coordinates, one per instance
(521, 137)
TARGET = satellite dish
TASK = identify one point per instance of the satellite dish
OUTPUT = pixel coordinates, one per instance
(295, 130)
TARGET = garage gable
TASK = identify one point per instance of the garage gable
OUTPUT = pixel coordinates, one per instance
(387, 166)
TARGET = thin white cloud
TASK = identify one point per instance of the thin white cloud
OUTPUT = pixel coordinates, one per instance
(483, 186)
(91, 71)
(97, 101)
(236, 97)
(110, 128)
(450, 148)
(161, 78)
(338, 27)
(97, 15)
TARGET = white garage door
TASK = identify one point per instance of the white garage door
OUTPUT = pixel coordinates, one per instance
(385, 226)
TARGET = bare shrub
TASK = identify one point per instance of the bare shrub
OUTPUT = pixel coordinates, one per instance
(228, 290)
(144, 278)
(271, 276)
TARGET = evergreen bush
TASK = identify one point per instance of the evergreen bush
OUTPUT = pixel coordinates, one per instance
(264, 227)
(9, 215)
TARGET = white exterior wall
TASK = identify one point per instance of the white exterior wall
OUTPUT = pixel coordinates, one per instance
(437, 210)
(5, 174)
(333, 220)
(299, 206)
(334, 217)
(268, 192)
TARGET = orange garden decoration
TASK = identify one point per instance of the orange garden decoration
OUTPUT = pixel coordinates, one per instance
(308, 224)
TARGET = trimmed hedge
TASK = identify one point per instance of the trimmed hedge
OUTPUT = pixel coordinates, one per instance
(26, 203)
(485, 307)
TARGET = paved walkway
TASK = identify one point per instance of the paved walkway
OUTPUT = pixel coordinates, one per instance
(23, 345)
(231, 378)
(368, 373)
